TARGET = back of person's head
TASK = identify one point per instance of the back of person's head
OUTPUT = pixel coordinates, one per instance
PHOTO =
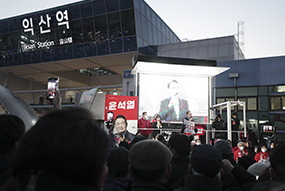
(118, 162)
(206, 160)
(160, 137)
(150, 160)
(246, 161)
(257, 168)
(11, 130)
(124, 144)
(224, 148)
(137, 139)
(66, 143)
(179, 145)
(277, 161)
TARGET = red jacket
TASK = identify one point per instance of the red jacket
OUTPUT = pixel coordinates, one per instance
(260, 157)
(238, 154)
(141, 124)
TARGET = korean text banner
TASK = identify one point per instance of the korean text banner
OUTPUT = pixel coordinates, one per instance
(122, 105)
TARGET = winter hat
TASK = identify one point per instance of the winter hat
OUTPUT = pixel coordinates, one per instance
(118, 162)
(206, 160)
(149, 155)
(257, 168)
(180, 143)
(224, 147)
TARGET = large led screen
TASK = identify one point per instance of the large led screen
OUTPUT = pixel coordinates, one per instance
(171, 96)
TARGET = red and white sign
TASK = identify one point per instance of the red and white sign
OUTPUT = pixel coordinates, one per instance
(122, 105)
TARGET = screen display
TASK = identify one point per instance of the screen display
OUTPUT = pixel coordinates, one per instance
(52, 86)
(171, 96)
(268, 129)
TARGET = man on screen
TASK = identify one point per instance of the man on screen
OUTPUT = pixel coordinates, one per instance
(173, 108)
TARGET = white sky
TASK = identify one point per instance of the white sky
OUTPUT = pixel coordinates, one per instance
(264, 29)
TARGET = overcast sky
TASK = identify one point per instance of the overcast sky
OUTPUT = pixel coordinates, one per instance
(264, 20)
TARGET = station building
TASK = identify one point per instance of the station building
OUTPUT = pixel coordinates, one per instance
(92, 43)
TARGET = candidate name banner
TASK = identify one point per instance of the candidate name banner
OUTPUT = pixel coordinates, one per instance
(122, 105)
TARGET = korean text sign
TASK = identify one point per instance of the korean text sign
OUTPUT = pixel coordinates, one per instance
(122, 105)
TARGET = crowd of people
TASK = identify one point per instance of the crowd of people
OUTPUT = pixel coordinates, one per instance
(67, 150)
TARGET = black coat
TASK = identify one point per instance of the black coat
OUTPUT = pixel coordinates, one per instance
(6, 166)
(179, 171)
(147, 185)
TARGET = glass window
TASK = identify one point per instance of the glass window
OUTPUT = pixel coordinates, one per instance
(88, 30)
(154, 34)
(77, 35)
(140, 42)
(67, 53)
(99, 7)
(86, 9)
(130, 44)
(114, 25)
(103, 47)
(14, 43)
(125, 4)
(2, 61)
(249, 91)
(242, 100)
(144, 27)
(17, 59)
(275, 103)
(137, 4)
(12, 23)
(138, 25)
(142, 6)
(73, 12)
(149, 30)
(36, 56)
(128, 23)
(262, 90)
(148, 14)
(78, 51)
(9, 60)
(220, 100)
(225, 92)
(153, 18)
(159, 37)
(276, 89)
(26, 58)
(56, 54)
(101, 27)
(231, 99)
(116, 46)
(112, 5)
(263, 103)
(90, 49)
(4, 27)
(251, 104)
(46, 57)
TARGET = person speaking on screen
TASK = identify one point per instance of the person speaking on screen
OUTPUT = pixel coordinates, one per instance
(173, 108)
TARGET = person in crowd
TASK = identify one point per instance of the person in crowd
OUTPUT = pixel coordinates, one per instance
(157, 125)
(262, 155)
(205, 170)
(198, 142)
(160, 137)
(249, 148)
(125, 144)
(150, 166)
(187, 118)
(154, 118)
(137, 139)
(121, 124)
(241, 151)
(235, 127)
(180, 147)
(246, 161)
(276, 170)
(118, 162)
(219, 125)
(257, 168)
(235, 177)
(174, 107)
(11, 130)
(144, 123)
(65, 151)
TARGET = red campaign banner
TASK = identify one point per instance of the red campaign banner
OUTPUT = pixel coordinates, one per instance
(122, 105)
